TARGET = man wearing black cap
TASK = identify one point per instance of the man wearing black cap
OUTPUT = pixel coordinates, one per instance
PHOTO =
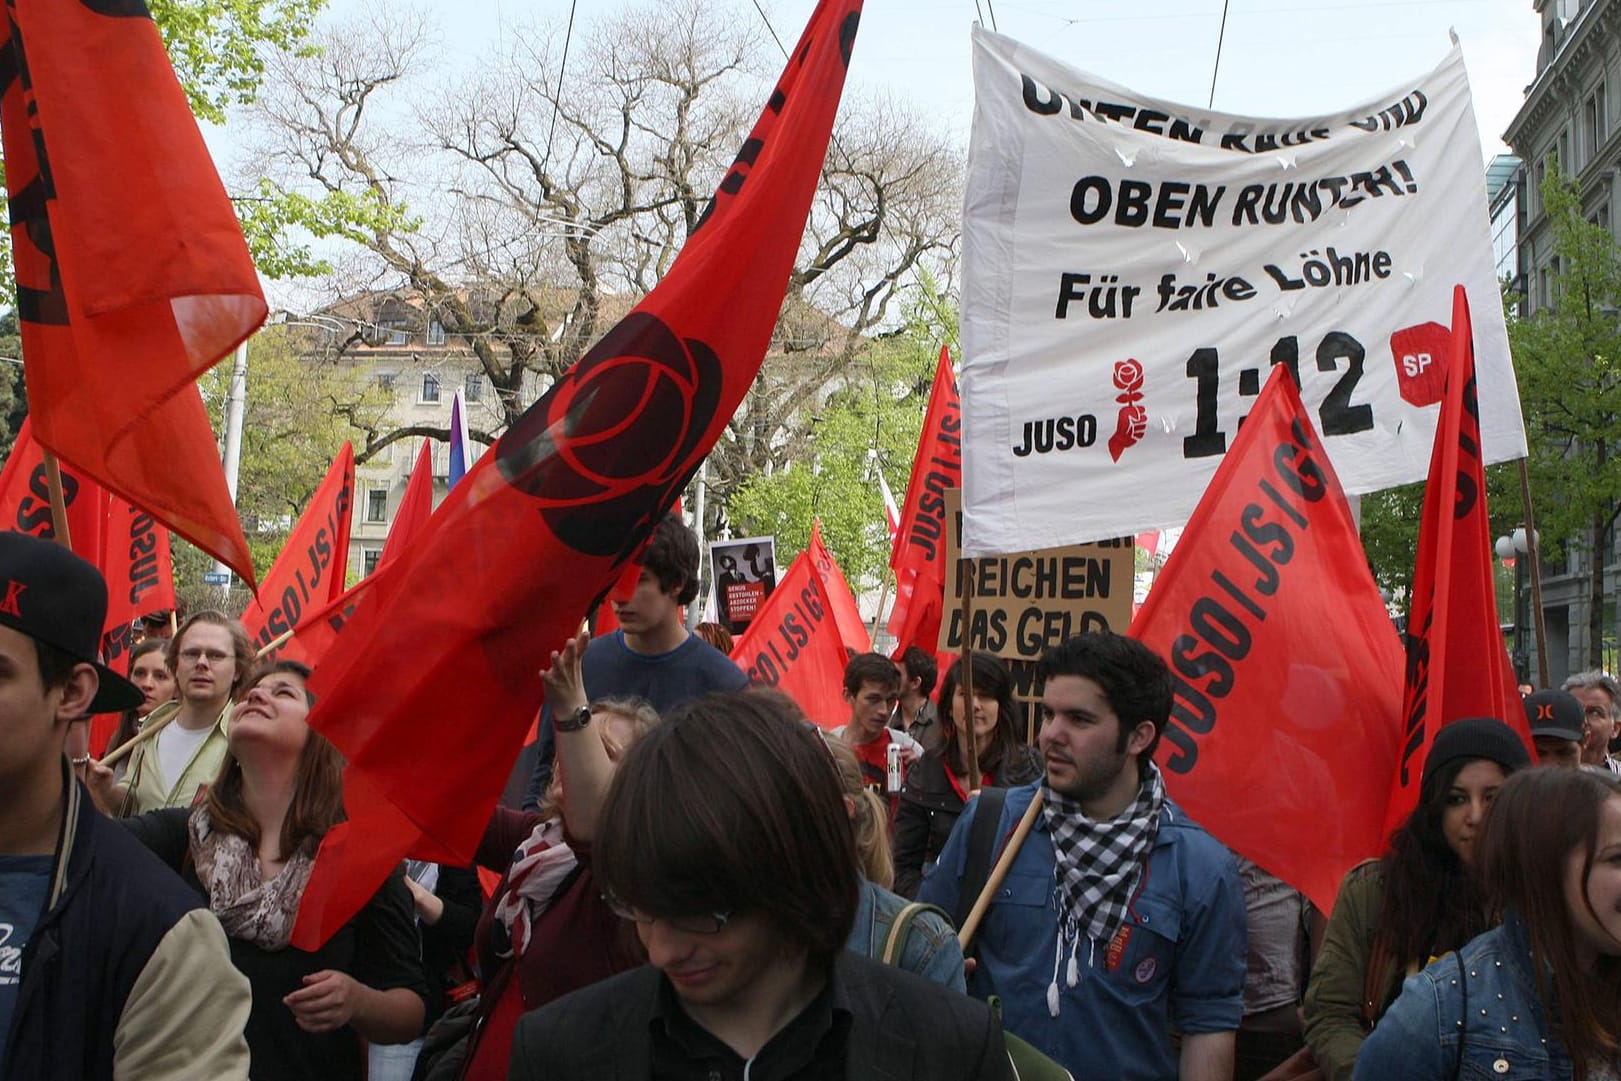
(1556, 722)
(109, 966)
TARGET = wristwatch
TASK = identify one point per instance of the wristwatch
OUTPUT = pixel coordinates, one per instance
(574, 721)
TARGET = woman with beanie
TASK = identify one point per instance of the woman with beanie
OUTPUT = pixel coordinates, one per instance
(1420, 900)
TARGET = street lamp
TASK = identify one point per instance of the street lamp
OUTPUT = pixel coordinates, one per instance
(1516, 546)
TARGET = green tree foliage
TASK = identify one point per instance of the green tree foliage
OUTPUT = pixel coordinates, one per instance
(218, 47)
(1568, 359)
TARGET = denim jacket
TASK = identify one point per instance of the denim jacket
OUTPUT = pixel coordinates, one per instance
(1489, 1002)
(930, 948)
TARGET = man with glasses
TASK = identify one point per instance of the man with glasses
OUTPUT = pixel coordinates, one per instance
(210, 657)
(1598, 695)
(726, 840)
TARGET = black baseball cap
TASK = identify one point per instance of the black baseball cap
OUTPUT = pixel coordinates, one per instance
(1554, 713)
(53, 596)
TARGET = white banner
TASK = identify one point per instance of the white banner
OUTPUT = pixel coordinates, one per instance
(1134, 268)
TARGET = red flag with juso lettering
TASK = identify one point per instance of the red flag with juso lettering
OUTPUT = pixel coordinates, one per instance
(1457, 664)
(795, 643)
(311, 571)
(919, 555)
(138, 564)
(132, 275)
(532, 536)
(25, 498)
(1285, 716)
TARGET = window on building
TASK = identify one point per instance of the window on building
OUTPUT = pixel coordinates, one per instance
(385, 381)
(430, 387)
(1540, 175)
(436, 332)
(475, 387)
(1594, 123)
(1567, 164)
(393, 332)
(377, 505)
(368, 560)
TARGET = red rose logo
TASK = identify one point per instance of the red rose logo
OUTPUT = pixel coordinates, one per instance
(607, 449)
(1132, 423)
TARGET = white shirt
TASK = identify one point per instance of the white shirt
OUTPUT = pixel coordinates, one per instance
(176, 746)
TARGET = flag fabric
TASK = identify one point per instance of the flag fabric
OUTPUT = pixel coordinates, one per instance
(918, 556)
(539, 527)
(1286, 667)
(795, 643)
(310, 571)
(841, 602)
(138, 564)
(892, 513)
(1457, 664)
(416, 505)
(460, 444)
(25, 497)
(123, 301)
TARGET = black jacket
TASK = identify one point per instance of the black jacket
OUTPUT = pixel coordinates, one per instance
(901, 1027)
(929, 807)
(123, 949)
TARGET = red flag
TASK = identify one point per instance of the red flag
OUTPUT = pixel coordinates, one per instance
(415, 506)
(25, 498)
(132, 275)
(842, 603)
(1285, 719)
(1457, 665)
(138, 564)
(538, 528)
(919, 555)
(794, 643)
(313, 564)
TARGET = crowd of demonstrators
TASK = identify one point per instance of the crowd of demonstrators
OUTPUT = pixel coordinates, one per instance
(247, 848)
(210, 657)
(1119, 918)
(109, 965)
(1557, 727)
(872, 689)
(936, 787)
(547, 930)
(1601, 709)
(928, 942)
(1539, 995)
(916, 714)
(1422, 899)
(745, 901)
(651, 656)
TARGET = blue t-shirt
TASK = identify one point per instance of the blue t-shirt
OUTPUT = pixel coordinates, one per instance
(611, 669)
(24, 883)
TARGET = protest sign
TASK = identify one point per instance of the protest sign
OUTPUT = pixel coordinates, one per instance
(744, 573)
(1133, 268)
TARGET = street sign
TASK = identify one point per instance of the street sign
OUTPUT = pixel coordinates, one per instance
(217, 578)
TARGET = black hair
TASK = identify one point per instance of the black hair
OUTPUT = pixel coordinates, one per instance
(1134, 679)
(871, 668)
(921, 666)
(671, 556)
(762, 827)
(991, 680)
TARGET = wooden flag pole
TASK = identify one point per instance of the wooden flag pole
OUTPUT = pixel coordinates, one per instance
(965, 723)
(878, 613)
(174, 622)
(276, 643)
(1532, 555)
(999, 872)
(119, 753)
(59, 506)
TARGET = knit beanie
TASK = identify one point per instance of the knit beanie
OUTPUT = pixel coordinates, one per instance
(1474, 737)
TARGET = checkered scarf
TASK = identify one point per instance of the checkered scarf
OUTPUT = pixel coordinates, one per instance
(1100, 863)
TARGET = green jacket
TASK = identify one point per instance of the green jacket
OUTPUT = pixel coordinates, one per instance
(1334, 998)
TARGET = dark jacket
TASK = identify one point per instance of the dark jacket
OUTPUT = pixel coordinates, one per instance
(929, 806)
(901, 1027)
(123, 949)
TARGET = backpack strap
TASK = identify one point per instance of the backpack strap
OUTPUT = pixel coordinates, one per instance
(981, 850)
(902, 926)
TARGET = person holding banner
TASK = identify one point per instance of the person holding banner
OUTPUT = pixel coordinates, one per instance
(1119, 918)
(1540, 995)
(936, 788)
(1423, 898)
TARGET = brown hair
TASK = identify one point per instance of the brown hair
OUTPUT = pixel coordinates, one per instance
(870, 820)
(317, 785)
(761, 828)
(1539, 819)
(991, 680)
(241, 646)
(715, 635)
(874, 668)
(642, 717)
(127, 721)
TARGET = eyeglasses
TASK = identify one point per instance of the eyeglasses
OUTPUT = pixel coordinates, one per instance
(710, 923)
(193, 654)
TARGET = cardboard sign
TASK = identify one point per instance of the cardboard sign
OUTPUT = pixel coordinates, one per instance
(744, 573)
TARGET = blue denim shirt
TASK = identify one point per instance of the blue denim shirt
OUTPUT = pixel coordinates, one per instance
(930, 948)
(1490, 1003)
(1181, 963)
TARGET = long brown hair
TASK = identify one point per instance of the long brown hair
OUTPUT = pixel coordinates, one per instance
(128, 722)
(991, 680)
(1539, 819)
(317, 785)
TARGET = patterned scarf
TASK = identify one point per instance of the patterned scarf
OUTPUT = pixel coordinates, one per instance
(540, 865)
(250, 909)
(1097, 867)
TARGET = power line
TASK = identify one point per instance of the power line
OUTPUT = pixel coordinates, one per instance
(1220, 38)
(557, 98)
(992, 9)
(771, 28)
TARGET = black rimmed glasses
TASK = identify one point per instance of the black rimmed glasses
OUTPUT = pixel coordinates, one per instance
(710, 923)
